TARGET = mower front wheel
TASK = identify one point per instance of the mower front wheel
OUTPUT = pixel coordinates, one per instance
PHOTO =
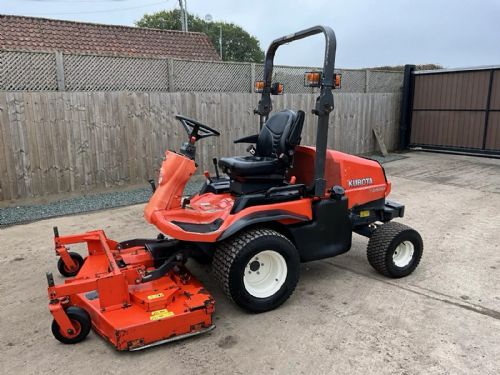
(395, 249)
(81, 323)
(65, 271)
(258, 269)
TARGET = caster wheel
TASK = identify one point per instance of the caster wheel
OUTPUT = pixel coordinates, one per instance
(258, 269)
(63, 270)
(395, 249)
(80, 320)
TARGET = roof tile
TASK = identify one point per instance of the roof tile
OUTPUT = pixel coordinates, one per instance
(30, 33)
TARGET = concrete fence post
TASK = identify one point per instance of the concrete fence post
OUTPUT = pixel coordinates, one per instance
(171, 76)
(60, 71)
(367, 80)
(252, 77)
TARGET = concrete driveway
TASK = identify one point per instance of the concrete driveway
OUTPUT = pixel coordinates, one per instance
(343, 318)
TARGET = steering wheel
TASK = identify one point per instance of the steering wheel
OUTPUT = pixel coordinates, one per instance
(196, 130)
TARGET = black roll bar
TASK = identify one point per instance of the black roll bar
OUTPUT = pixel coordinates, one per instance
(324, 102)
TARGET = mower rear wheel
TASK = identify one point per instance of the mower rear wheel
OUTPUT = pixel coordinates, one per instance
(63, 270)
(395, 249)
(258, 269)
(80, 320)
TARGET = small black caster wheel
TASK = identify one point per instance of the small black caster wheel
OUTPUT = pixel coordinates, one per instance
(63, 270)
(81, 322)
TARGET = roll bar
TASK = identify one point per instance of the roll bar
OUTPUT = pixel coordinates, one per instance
(324, 102)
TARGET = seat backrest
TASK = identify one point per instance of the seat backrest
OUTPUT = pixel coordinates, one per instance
(280, 134)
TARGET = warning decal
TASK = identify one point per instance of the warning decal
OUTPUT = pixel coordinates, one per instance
(155, 296)
(160, 314)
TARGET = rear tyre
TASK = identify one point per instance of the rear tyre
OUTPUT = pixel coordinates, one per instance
(258, 269)
(81, 322)
(63, 270)
(395, 249)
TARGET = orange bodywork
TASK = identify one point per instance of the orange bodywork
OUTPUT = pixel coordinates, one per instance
(175, 172)
(128, 313)
(164, 209)
(340, 168)
(206, 208)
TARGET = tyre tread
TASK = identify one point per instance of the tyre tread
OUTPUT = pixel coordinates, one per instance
(380, 241)
(228, 250)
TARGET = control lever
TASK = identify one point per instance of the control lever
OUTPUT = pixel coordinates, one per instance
(152, 184)
(170, 262)
(207, 176)
(185, 202)
(214, 160)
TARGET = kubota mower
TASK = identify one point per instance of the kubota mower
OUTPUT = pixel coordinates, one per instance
(280, 205)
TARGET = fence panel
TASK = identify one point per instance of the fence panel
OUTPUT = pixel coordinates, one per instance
(61, 142)
(36, 71)
(33, 71)
(203, 76)
(103, 73)
(382, 81)
(353, 80)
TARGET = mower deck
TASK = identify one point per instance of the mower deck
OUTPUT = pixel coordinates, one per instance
(125, 309)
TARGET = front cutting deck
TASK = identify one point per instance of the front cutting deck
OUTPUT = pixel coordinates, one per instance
(126, 310)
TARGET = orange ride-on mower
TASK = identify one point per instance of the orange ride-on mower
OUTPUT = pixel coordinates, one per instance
(278, 206)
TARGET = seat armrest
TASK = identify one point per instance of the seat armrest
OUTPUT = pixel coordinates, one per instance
(281, 189)
(247, 139)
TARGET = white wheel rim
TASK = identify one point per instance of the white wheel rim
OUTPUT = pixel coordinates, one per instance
(265, 274)
(403, 254)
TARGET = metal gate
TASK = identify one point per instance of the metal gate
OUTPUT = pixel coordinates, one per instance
(455, 110)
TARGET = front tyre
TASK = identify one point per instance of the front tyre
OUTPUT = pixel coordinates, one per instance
(395, 249)
(258, 269)
(81, 323)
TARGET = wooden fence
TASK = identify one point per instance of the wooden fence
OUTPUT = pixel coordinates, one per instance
(60, 142)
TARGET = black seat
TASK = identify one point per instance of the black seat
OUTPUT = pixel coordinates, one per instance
(274, 150)
(249, 165)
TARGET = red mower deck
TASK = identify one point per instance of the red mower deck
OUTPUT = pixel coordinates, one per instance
(126, 310)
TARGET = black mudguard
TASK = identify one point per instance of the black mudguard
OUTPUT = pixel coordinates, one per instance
(328, 234)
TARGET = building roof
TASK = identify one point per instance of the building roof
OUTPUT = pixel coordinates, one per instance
(42, 34)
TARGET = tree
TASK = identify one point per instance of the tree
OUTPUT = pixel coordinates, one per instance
(237, 44)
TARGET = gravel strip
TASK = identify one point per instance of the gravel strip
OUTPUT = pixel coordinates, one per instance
(26, 214)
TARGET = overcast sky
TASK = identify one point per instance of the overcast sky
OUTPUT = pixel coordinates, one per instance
(454, 33)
